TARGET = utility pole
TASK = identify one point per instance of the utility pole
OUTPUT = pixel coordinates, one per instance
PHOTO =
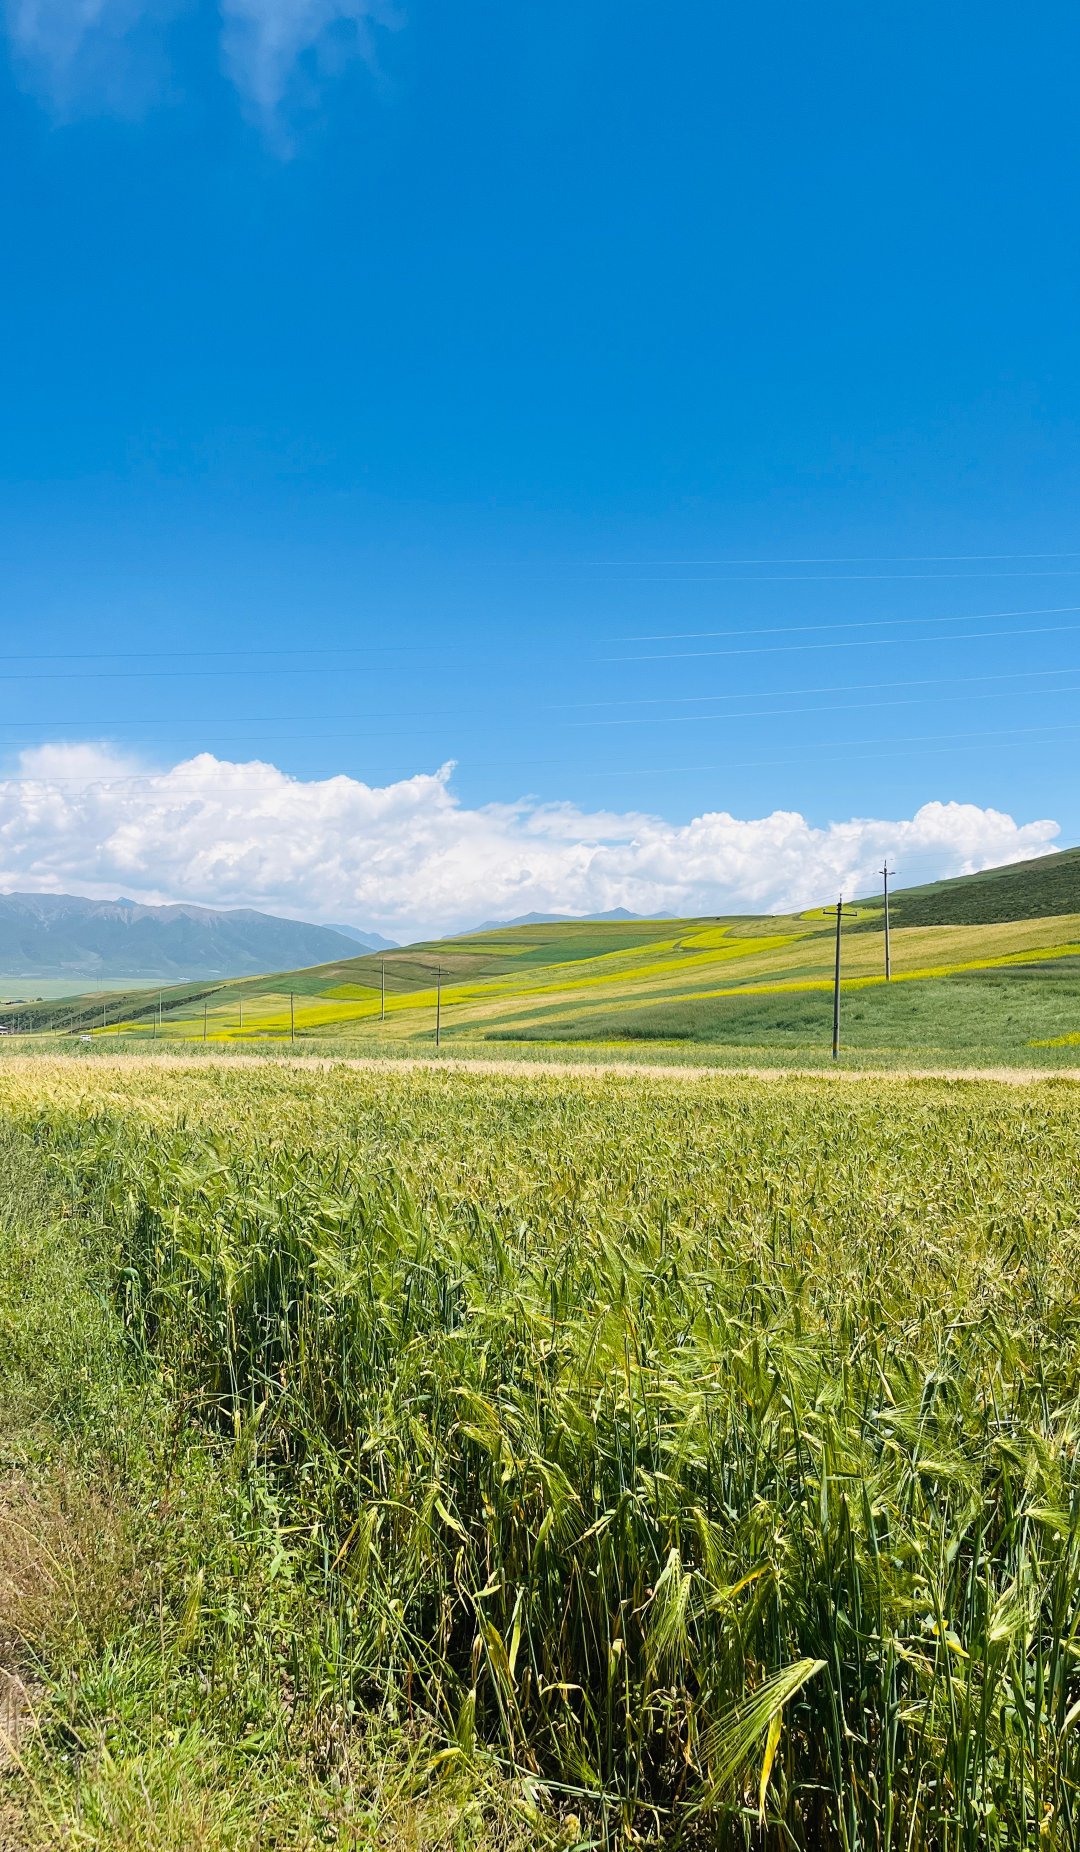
(104, 1024)
(885, 873)
(204, 1022)
(241, 1015)
(292, 1018)
(382, 990)
(438, 1004)
(157, 1018)
(836, 985)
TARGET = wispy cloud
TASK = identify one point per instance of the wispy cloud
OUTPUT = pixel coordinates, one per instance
(409, 857)
(106, 54)
(272, 48)
(112, 54)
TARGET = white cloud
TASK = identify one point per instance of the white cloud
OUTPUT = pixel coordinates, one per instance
(57, 29)
(112, 53)
(107, 52)
(265, 42)
(408, 858)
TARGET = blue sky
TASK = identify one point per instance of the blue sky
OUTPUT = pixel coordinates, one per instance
(655, 415)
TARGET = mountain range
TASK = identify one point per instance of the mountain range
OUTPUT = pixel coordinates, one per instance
(66, 935)
(371, 941)
(557, 919)
(983, 967)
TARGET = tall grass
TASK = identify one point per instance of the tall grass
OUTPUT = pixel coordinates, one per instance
(710, 1452)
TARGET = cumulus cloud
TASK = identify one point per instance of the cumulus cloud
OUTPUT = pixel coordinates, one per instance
(113, 53)
(409, 858)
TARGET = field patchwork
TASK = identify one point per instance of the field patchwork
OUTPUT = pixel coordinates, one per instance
(717, 983)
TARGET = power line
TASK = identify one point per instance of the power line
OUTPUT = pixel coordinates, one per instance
(158, 655)
(279, 779)
(861, 578)
(847, 559)
(548, 707)
(770, 694)
(140, 675)
(857, 623)
(774, 713)
(416, 648)
(788, 649)
(781, 649)
(652, 720)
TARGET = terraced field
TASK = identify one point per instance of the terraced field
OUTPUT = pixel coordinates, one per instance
(964, 978)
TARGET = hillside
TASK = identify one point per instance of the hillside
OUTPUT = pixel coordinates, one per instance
(1037, 889)
(994, 989)
(966, 976)
(61, 935)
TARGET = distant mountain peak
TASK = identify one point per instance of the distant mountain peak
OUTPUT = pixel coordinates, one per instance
(68, 935)
(372, 941)
(558, 919)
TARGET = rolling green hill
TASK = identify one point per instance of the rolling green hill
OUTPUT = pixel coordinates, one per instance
(1024, 891)
(986, 967)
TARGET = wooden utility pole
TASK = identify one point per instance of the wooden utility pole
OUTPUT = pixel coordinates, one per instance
(292, 1018)
(104, 1023)
(382, 990)
(885, 873)
(241, 1015)
(204, 1022)
(157, 1019)
(836, 986)
(438, 1004)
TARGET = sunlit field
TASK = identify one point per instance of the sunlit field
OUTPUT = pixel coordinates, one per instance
(974, 993)
(533, 1460)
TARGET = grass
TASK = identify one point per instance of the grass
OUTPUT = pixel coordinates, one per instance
(992, 1016)
(20, 988)
(1027, 890)
(149, 1601)
(501, 1458)
(689, 980)
(669, 978)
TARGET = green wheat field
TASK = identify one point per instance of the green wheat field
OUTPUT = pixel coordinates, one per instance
(404, 1458)
(572, 1446)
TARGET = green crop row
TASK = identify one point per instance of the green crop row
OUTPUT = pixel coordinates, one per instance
(705, 1450)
